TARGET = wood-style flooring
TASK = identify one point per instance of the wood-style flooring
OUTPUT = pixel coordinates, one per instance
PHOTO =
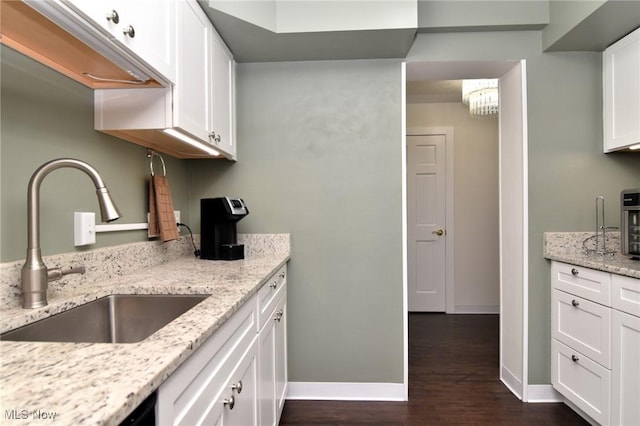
(453, 380)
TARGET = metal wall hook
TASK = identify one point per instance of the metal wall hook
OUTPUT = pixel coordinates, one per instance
(150, 154)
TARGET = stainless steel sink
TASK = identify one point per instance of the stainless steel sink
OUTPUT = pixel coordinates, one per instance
(111, 319)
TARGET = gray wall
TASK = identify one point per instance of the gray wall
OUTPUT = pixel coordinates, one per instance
(320, 157)
(45, 116)
(567, 168)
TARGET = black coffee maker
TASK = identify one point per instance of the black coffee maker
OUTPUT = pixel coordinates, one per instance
(218, 235)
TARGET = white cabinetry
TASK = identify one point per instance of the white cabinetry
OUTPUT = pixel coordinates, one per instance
(625, 368)
(204, 95)
(596, 342)
(146, 27)
(238, 376)
(273, 349)
(199, 111)
(141, 42)
(203, 388)
(621, 96)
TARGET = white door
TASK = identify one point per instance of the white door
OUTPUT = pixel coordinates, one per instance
(513, 230)
(426, 213)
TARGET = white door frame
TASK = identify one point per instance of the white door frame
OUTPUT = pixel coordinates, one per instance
(451, 70)
(448, 132)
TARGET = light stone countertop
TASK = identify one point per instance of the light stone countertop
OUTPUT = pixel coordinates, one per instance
(568, 247)
(101, 383)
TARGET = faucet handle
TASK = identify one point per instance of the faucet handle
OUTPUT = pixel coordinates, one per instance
(57, 273)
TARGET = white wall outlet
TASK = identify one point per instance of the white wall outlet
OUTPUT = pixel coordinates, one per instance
(176, 213)
(84, 228)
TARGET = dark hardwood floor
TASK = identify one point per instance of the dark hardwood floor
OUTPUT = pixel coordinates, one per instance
(453, 380)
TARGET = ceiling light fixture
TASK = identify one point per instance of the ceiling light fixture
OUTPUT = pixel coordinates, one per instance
(482, 97)
(191, 141)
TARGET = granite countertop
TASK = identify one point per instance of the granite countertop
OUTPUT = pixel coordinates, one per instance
(576, 248)
(100, 383)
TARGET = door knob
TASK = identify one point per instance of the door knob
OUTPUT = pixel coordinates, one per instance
(438, 232)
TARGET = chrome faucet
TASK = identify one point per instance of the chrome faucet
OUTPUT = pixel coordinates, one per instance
(35, 274)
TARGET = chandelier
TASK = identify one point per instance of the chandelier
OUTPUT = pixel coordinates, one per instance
(481, 96)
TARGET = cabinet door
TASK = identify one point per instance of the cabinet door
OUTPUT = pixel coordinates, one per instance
(191, 105)
(625, 370)
(144, 27)
(267, 410)
(273, 365)
(281, 377)
(148, 28)
(240, 401)
(223, 96)
(621, 62)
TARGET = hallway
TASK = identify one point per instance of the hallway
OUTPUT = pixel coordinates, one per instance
(453, 380)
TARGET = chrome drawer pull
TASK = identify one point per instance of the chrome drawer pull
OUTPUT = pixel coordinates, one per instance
(230, 402)
(237, 387)
(574, 358)
(574, 272)
(129, 31)
(273, 285)
(279, 315)
(282, 275)
(575, 303)
(113, 17)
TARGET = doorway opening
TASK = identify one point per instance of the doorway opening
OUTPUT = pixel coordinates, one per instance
(491, 245)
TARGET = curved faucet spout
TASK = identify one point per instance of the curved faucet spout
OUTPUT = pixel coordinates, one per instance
(34, 271)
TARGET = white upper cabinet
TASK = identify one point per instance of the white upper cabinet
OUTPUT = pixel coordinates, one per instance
(621, 63)
(193, 119)
(204, 95)
(146, 28)
(223, 95)
(191, 105)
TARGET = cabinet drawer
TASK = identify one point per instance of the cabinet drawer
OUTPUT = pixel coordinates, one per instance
(190, 390)
(582, 381)
(584, 282)
(625, 294)
(269, 294)
(583, 325)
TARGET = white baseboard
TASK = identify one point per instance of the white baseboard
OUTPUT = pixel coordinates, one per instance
(476, 309)
(346, 391)
(511, 382)
(543, 393)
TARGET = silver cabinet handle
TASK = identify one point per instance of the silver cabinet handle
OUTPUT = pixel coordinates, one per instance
(574, 272)
(113, 17)
(575, 303)
(574, 358)
(279, 315)
(273, 285)
(237, 387)
(231, 402)
(282, 275)
(129, 31)
(438, 232)
(216, 138)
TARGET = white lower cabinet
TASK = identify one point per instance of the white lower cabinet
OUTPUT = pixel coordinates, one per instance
(582, 381)
(239, 375)
(273, 365)
(625, 378)
(595, 346)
